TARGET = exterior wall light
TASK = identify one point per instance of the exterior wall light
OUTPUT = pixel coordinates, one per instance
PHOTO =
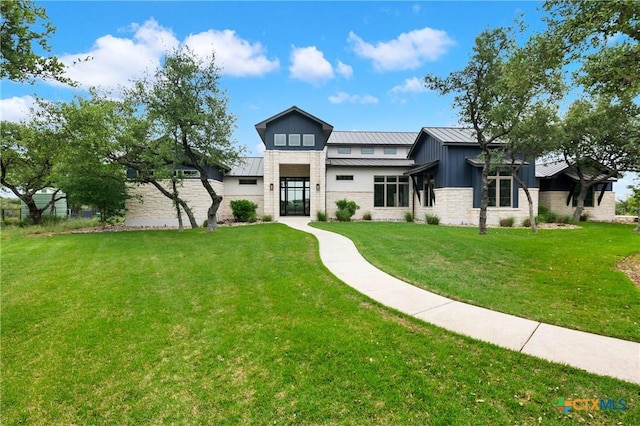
(317, 187)
(271, 187)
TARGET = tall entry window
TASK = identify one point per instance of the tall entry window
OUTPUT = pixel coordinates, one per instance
(500, 188)
(294, 196)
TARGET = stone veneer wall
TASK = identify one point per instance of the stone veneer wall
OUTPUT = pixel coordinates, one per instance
(311, 163)
(556, 201)
(148, 207)
(454, 206)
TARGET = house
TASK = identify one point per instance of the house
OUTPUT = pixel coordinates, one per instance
(559, 188)
(307, 166)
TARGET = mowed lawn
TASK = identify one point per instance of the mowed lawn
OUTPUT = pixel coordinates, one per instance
(245, 326)
(566, 277)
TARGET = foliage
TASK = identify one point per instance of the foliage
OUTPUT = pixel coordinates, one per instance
(600, 140)
(603, 36)
(545, 215)
(346, 209)
(24, 29)
(267, 218)
(243, 210)
(366, 216)
(187, 108)
(507, 222)
(321, 216)
(501, 84)
(271, 339)
(565, 277)
(408, 217)
(432, 219)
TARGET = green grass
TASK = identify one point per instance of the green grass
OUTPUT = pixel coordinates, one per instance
(245, 326)
(564, 277)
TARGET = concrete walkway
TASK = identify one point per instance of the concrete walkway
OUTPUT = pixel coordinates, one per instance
(594, 353)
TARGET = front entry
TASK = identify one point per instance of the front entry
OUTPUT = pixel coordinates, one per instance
(294, 196)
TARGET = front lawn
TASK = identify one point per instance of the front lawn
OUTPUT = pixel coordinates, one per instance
(566, 277)
(245, 326)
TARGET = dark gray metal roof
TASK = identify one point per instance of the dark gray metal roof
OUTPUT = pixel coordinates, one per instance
(479, 162)
(370, 162)
(248, 166)
(452, 134)
(423, 167)
(371, 138)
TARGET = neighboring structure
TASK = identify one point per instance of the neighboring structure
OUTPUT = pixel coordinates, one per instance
(559, 188)
(307, 167)
(42, 198)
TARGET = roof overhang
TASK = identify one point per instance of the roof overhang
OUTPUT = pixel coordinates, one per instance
(422, 168)
(369, 162)
(478, 162)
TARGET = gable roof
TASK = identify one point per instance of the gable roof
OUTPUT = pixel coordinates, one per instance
(371, 138)
(554, 168)
(261, 127)
(447, 136)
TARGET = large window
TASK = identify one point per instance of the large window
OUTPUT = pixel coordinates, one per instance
(279, 139)
(390, 191)
(500, 189)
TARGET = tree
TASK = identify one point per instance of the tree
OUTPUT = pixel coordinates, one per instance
(185, 104)
(18, 40)
(27, 158)
(604, 36)
(497, 88)
(601, 139)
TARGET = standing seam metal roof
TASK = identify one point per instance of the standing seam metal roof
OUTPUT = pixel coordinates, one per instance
(248, 166)
(371, 138)
(451, 134)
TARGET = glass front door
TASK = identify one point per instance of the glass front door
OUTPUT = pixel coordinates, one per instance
(294, 196)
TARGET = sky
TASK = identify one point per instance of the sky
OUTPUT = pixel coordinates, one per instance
(356, 65)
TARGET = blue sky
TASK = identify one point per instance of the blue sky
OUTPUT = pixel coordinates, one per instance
(357, 65)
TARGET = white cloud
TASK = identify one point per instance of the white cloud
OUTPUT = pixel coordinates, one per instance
(17, 108)
(114, 61)
(342, 97)
(410, 85)
(344, 70)
(407, 51)
(235, 56)
(308, 64)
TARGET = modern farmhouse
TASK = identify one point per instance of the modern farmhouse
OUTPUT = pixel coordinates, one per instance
(308, 166)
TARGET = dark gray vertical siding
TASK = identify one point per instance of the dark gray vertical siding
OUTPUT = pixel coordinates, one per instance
(430, 149)
(294, 124)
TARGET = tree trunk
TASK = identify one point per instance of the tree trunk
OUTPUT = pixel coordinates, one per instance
(183, 204)
(212, 220)
(484, 197)
(580, 202)
(35, 214)
(638, 227)
(177, 205)
(525, 188)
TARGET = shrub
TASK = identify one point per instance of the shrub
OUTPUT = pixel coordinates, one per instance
(527, 222)
(432, 219)
(244, 210)
(366, 216)
(408, 216)
(322, 216)
(267, 218)
(584, 217)
(507, 222)
(564, 219)
(346, 209)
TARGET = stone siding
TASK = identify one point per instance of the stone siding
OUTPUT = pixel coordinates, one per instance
(556, 201)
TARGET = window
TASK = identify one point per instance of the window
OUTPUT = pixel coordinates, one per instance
(344, 150)
(186, 173)
(248, 181)
(429, 193)
(344, 177)
(588, 200)
(309, 140)
(294, 140)
(279, 139)
(367, 150)
(390, 151)
(500, 189)
(390, 191)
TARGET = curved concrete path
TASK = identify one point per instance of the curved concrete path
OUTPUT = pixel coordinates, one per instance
(591, 352)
